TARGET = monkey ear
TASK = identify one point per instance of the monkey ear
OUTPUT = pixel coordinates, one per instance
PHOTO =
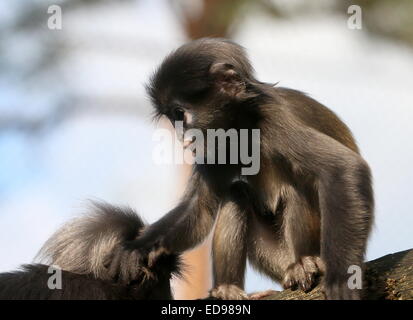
(227, 79)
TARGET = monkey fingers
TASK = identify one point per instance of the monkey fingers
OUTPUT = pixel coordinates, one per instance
(303, 274)
(155, 253)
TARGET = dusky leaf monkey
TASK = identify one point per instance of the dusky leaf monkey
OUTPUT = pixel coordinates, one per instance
(309, 209)
(82, 249)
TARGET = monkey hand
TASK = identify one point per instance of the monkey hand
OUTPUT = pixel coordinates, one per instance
(304, 273)
(134, 259)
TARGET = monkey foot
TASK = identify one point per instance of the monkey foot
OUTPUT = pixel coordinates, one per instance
(261, 294)
(303, 274)
(228, 292)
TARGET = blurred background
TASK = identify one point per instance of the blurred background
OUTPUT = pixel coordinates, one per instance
(75, 123)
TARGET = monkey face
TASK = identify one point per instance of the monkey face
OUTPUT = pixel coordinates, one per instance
(199, 82)
(201, 86)
(183, 93)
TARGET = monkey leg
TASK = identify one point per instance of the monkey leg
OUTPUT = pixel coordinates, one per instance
(285, 245)
(302, 238)
(229, 244)
(272, 255)
(229, 253)
(238, 232)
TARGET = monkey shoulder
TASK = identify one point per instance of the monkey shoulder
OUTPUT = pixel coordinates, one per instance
(292, 107)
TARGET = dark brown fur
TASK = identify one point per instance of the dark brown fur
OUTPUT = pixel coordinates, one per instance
(308, 211)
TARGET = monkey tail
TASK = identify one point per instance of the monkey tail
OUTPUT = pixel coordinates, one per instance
(85, 244)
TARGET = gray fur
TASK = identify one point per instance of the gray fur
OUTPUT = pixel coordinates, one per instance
(84, 249)
(86, 244)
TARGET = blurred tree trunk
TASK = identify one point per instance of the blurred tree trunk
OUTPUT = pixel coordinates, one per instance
(209, 18)
(198, 279)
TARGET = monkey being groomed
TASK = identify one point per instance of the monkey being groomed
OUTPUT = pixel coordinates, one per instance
(83, 250)
(307, 211)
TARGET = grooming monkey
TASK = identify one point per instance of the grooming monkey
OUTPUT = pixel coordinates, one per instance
(83, 249)
(309, 209)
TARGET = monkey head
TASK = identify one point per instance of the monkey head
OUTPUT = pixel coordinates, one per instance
(203, 84)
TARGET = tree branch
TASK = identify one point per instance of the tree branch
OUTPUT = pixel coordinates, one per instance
(389, 277)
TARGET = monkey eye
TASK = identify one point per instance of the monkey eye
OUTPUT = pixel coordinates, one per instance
(178, 114)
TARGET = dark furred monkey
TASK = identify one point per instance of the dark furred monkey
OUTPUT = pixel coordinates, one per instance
(83, 249)
(308, 211)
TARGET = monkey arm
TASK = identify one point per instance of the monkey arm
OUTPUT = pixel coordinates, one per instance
(181, 229)
(346, 204)
(345, 198)
(187, 224)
